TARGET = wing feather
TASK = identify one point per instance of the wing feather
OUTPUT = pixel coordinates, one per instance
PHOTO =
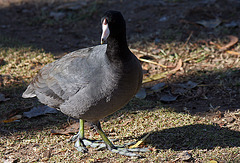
(62, 79)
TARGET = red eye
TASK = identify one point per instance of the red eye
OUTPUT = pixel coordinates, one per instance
(105, 21)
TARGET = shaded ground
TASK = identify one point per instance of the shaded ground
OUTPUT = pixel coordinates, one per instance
(60, 28)
(160, 31)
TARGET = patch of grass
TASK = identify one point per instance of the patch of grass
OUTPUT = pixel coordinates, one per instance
(21, 63)
(171, 132)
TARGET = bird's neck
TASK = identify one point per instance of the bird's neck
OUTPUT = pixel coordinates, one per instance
(117, 49)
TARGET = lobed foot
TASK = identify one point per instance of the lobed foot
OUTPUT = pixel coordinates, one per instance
(81, 143)
(129, 152)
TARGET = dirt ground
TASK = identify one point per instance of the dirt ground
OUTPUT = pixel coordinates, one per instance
(60, 27)
(178, 26)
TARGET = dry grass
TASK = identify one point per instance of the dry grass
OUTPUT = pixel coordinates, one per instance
(210, 133)
(29, 140)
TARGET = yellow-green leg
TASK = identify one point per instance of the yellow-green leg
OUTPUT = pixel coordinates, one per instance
(81, 129)
(120, 150)
(79, 144)
(103, 136)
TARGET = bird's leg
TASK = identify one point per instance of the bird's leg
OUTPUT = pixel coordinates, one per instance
(81, 129)
(111, 147)
(109, 144)
(79, 144)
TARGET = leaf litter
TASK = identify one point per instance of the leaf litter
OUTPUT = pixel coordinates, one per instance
(39, 110)
(199, 61)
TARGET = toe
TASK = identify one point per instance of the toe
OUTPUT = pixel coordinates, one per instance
(80, 146)
(125, 152)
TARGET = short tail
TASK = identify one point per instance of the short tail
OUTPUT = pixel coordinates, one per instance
(29, 93)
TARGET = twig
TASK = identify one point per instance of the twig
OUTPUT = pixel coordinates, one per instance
(190, 35)
(148, 61)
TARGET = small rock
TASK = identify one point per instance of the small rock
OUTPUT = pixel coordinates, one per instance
(185, 156)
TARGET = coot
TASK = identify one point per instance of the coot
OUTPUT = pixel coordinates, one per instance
(92, 83)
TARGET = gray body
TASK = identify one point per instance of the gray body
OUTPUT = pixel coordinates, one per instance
(85, 84)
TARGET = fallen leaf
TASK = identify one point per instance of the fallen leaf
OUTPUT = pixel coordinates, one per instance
(162, 75)
(158, 87)
(233, 41)
(148, 61)
(39, 110)
(2, 97)
(183, 88)
(213, 161)
(146, 54)
(213, 23)
(232, 52)
(232, 24)
(168, 98)
(154, 77)
(178, 90)
(141, 93)
(179, 65)
(140, 141)
(11, 119)
(188, 85)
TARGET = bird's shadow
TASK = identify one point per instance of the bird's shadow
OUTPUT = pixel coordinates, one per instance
(198, 136)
